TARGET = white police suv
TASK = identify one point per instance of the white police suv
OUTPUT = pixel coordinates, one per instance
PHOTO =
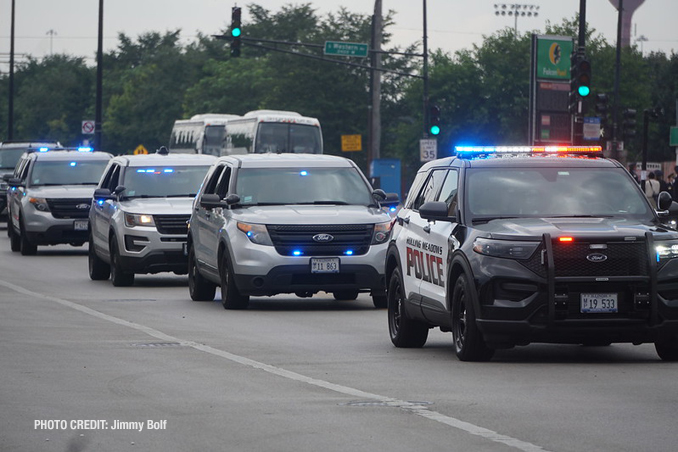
(139, 215)
(265, 224)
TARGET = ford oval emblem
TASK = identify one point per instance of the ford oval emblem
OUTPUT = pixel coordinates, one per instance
(82, 206)
(596, 257)
(322, 238)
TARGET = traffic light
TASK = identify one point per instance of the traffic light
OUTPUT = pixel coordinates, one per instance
(434, 120)
(629, 123)
(236, 31)
(580, 81)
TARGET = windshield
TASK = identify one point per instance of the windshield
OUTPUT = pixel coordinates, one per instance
(553, 192)
(265, 186)
(214, 138)
(284, 137)
(163, 181)
(67, 172)
(10, 157)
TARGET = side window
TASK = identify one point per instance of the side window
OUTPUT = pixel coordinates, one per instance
(222, 186)
(431, 188)
(211, 185)
(107, 181)
(414, 190)
(23, 171)
(448, 194)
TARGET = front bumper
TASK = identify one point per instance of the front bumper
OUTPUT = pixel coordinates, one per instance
(145, 250)
(523, 302)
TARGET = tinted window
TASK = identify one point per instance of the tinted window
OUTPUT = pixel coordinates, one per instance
(552, 192)
(10, 157)
(302, 186)
(283, 137)
(67, 172)
(163, 181)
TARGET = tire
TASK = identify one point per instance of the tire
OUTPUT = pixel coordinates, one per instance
(14, 239)
(26, 246)
(468, 340)
(404, 332)
(347, 295)
(379, 300)
(99, 270)
(119, 277)
(199, 288)
(231, 297)
(667, 349)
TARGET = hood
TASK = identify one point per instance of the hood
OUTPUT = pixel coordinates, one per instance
(158, 206)
(63, 191)
(522, 228)
(310, 214)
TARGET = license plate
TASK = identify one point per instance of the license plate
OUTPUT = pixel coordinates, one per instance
(325, 265)
(80, 225)
(592, 303)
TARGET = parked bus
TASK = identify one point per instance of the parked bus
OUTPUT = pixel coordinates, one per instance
(273, 131)
(202, 134)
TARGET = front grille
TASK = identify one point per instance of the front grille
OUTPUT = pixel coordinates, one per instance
(171, 224)
(623, 259)
(350, 237)
(67, 208)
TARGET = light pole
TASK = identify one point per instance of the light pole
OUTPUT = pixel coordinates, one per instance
(515, 10)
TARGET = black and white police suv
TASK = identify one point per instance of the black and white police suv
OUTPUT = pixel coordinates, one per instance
(505, 246)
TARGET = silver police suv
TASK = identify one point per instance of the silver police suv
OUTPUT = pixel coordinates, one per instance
(265, 224)
(10, 153)
(139, 215)
(49, 197)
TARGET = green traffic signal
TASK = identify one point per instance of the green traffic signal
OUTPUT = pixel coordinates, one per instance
(584, 91)
(235, 32)
(435, 130)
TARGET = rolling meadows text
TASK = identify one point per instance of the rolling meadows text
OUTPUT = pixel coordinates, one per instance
(99, 424)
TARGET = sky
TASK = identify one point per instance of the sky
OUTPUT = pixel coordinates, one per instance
(70, 26)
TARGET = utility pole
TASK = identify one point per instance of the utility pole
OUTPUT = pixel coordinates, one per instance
(617, 71)
(10, 103)
(100, 68)
(51, 34)
(425, 74)
(375, 87)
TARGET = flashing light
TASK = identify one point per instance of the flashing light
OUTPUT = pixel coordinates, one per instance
(43, 149)
(168, 170)
(303, 173)
(297, 253)
(348, 252)
(566, 239)
(85, 149)
(73, 163)
(479, 150)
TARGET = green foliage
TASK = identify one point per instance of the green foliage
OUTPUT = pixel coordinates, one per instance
(483, 92)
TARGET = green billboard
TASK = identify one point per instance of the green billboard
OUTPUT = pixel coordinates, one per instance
(553, 57)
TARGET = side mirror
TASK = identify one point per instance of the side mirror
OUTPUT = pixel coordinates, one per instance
(118, 190)
(232, 199)
(664, 201)
(210, 201)
(379, 194)
(103, 194)
(390, 201)
(7, 177)
(435, 210)
(15, 182)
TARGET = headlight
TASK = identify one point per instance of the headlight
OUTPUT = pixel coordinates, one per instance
(666, 250)
(504, 248)
(39, 203)
(137, 219)
(381, 232)
(257, 233)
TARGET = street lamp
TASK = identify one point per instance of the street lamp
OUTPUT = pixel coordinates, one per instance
(515, 10)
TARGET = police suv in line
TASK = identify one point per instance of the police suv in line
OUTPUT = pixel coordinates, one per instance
(265, 224)
(139, 215)
(506, 246)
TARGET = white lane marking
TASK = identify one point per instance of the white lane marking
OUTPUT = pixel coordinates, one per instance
(414, 408)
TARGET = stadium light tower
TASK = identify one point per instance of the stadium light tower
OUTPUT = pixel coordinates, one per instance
(516, 10)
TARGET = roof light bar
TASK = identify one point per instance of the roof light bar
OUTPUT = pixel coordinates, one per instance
(528, 149)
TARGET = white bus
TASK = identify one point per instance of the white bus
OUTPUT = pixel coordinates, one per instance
(275, 131)
(202, 134)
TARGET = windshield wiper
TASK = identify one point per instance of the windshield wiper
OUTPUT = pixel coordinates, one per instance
(185, 195)
(488, 219)
(337, 203)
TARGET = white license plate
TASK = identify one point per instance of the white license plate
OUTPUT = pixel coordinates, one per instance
(598, 302)
(80, 225)
(324, 265)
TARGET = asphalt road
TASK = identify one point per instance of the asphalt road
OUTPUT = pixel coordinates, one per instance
(85, 366)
